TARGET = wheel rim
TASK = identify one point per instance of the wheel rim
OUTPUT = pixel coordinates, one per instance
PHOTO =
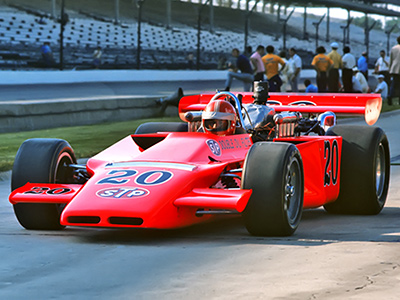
(380, 174)
(62, 172)
(292, 204)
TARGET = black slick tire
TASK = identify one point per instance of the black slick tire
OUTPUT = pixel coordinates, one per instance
(274, 172)
(41, 161)
(365, 170)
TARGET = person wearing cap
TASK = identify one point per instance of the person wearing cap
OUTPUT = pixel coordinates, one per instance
(333, 76)
(361, 79)
(349, 62)
(356, 85)
(382, 87)
(362, 64)
(394, 71)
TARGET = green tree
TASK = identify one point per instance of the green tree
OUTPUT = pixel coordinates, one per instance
(391, 23)
(361, 22)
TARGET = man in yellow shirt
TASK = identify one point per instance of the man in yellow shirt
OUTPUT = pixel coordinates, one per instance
(333, 77)
(322, 64)
(271, 63)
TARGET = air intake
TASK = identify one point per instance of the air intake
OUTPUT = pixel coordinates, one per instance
(84, 220)
(125, 221)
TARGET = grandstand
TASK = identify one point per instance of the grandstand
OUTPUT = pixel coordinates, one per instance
(163, 47)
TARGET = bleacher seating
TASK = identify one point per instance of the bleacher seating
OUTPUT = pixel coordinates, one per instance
(21, 36)
(22, 32)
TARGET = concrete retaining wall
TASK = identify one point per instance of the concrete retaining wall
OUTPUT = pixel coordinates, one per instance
(31, 115)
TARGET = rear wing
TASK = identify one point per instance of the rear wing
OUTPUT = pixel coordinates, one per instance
(369, 105)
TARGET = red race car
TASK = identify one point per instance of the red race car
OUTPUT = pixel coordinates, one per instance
(265, 157)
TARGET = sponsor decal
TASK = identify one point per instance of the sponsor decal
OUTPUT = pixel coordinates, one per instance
(48, 191)
(214, 147)
(123, 193)
(331, 157)
(153, 177)
(235, 143)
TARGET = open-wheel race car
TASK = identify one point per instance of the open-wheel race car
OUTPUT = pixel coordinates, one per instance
(263, 157)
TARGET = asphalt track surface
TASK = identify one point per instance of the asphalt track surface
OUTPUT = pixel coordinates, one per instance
(329, 256)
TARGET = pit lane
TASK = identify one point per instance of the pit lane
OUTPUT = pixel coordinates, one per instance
(329, 257)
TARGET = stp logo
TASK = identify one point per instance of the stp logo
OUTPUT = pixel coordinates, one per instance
(214, 147)
(123, 193)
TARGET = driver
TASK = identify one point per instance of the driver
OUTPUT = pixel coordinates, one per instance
(219, 117)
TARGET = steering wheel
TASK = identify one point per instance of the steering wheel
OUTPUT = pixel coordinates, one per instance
(229, 96)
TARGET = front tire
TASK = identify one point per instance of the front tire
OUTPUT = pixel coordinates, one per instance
(274, 171)
(41, 161)
(365, 170)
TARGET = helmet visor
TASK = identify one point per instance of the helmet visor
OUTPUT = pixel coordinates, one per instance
(215, 125)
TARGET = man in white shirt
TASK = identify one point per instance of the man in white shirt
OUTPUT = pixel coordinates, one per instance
(382, 66)
(361, 78)
(295, 61)
(382, 87)
(394, 71)
(349, 62)
(356, 85)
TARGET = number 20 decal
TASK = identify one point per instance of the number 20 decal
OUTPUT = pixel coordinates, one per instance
(48, 191)
(147, 178)
(331, 155)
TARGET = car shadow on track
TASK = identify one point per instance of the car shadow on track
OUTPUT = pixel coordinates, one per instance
(316, 228)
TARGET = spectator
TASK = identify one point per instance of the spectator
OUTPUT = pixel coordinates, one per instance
(41, 21)
(285, 72)
(97, 57)
(310, 88)
(356, 85)
(258, 65)
(349, 62)
(382, 66)
(362, 64)
(333, 77)
(190, 60)
(248, 52)
(394, 71)
(295, 64)
(322, 64)
(246, 72)
(47, 54)
(360, 77)
(271, 63)
(222, 63)
(382, 87)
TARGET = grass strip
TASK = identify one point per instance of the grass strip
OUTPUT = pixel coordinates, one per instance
(85, 140)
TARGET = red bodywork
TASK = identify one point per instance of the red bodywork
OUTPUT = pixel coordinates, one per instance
(161, 180)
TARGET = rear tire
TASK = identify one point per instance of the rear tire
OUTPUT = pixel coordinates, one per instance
(365, 170)
(41, 161)
(274, 171)
(154, 127)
